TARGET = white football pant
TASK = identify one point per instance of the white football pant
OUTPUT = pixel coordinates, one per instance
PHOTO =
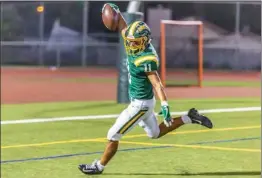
(138, 112)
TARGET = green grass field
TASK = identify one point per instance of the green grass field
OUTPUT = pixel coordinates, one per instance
(209, 83)
(54, 149)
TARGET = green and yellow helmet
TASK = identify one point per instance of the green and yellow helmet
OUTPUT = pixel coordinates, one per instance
(136, 37)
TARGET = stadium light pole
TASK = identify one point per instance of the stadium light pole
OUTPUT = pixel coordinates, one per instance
(41, 11)
(237, 28)
(84, 31)
(237, 19)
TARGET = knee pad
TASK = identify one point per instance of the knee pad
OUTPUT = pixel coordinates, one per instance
(113, 135)
(153, 134)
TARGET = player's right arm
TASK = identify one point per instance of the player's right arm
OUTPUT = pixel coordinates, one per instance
(122, 23)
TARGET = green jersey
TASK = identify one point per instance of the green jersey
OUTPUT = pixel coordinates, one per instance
(139, 85)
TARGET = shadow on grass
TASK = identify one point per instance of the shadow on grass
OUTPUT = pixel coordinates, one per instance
(233, 173)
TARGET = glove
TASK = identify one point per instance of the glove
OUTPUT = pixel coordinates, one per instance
(115, 7)
(166, 114)
(160, 113)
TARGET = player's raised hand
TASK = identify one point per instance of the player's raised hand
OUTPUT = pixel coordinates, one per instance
(112, 17)
(166, 114)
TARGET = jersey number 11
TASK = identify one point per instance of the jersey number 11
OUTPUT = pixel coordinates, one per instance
(147, 67)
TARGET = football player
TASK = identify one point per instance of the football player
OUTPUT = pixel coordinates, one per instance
(142, 65)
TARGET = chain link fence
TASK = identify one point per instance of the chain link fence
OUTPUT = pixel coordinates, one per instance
(61, 34)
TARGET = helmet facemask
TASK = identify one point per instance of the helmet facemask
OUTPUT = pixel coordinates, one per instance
(136, 45)
(138, 39)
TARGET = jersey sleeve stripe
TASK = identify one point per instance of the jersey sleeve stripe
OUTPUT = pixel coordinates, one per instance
(134, 119)
(140, 60)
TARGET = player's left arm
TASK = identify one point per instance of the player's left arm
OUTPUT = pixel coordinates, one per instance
(157, 84)
(160, 91)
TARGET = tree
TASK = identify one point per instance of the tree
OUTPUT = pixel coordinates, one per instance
(11, 23)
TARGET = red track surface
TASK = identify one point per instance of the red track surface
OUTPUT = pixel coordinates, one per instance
(26, 85)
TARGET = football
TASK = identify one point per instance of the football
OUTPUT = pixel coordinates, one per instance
(110, 17)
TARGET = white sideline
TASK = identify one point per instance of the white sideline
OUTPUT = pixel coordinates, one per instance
(39, 120)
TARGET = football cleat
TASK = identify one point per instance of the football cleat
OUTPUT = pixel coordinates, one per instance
(197, 118)
(90, 168)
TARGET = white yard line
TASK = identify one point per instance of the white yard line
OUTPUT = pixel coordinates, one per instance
(72, 118)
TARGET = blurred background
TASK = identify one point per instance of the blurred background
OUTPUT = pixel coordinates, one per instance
(64, 82)
(72, 33)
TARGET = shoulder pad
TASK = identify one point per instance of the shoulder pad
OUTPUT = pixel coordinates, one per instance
(148, 58)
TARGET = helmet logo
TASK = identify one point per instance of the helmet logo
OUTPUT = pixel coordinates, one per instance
(141, 28)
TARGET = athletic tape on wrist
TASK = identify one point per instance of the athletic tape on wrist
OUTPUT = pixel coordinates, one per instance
(164, 103)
